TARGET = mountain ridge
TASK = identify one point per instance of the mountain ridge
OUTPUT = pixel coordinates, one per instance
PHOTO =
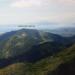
(33, 52)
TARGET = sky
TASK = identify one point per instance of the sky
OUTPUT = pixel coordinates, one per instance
(22, 12)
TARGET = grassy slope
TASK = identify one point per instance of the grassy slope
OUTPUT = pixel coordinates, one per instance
(41, 67)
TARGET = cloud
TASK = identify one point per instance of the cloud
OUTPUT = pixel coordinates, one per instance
(27, 11)
(69, 2)
(26, 3)
(42, 4)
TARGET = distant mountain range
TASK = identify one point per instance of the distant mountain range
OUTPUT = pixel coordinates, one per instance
(65, 31)
(37, 52)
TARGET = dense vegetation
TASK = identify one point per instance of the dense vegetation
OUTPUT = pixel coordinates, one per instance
(30, 52)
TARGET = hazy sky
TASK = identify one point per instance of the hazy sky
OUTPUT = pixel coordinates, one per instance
(32, 11)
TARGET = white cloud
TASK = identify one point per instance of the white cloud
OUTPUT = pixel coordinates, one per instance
(26, 3)
(68, 1)
(27, 11)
